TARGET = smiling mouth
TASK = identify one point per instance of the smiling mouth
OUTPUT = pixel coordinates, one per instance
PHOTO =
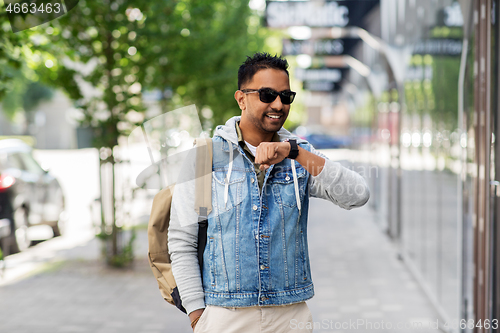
(273, 116)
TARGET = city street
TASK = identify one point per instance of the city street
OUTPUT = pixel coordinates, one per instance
(109, 96)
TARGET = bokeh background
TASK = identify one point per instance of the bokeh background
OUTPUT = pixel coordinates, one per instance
(404, 92)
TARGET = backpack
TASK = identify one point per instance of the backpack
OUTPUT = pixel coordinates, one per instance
(159, 220)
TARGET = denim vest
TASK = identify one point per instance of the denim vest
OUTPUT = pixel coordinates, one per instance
(256, 252)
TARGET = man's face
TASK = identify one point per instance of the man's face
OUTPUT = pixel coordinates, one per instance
(260, 116)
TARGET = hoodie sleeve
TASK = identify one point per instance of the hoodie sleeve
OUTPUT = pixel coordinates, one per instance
(183, 241)
(339, 185)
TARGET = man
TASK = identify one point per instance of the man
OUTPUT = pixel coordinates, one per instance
(256, 275)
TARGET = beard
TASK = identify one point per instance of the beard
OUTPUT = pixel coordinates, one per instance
(269, 125)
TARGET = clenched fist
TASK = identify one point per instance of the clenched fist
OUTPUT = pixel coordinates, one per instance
(269, 153)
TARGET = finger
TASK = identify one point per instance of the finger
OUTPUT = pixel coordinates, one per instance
(260, 157)
(263, 154)
(258, 153)
(273, 152)
(270, 153)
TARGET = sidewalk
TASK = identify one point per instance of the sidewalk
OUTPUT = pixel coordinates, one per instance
(358, 280)
(360, 284)
(84, 295)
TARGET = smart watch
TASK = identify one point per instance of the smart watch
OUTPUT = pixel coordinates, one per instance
(294, 149)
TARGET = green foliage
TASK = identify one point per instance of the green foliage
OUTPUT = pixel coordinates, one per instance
(365, 114)
(126, 254)
(21, 54)
(13, 99)
(103, 236)
(24, 94)
(445, 88)
(34, 94)
(446, 32)
(191, 48)
(11, 52)
(97, 39)
(196, 47)
(435, 96)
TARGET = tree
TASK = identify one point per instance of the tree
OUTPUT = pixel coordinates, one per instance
(16, 67)
(198, 47)
(118, 48)
(24, 57)
(11, 51)
(97, 65)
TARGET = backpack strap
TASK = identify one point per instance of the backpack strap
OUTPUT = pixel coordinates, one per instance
(203, 192)
(203, 174)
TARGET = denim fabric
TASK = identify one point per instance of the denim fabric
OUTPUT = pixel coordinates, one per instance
(256, 251)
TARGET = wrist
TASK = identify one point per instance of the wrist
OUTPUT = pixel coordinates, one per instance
(287, 147)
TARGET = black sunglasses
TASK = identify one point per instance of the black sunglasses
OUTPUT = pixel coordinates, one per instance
(268, 95)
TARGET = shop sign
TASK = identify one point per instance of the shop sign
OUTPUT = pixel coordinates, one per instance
(320, 86)
(339, 13)
(283, 14)
(323, 74)
(313, 47)
(443, 47)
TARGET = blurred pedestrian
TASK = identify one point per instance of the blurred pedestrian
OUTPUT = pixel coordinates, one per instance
(255, 275)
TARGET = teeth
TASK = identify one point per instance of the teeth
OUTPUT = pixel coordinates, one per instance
(274, 117)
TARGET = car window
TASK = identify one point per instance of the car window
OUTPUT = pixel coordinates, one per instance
(30, 164)
(14, 161)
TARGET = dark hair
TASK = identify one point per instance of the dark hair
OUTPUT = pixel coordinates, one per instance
(257, 62)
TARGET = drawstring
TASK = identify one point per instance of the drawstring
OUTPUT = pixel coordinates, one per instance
(296, 185)
(228, 176)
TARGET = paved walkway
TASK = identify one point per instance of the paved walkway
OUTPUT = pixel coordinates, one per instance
(360, 286)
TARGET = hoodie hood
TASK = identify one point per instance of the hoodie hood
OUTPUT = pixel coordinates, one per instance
(228, 132)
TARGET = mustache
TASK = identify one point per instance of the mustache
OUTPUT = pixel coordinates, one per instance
(279, 113)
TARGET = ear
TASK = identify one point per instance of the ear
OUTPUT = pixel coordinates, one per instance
(239, 96)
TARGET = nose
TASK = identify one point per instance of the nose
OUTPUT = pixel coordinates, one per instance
(276, 104)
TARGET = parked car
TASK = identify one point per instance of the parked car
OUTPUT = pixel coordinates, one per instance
(321, 138)
(29, 196)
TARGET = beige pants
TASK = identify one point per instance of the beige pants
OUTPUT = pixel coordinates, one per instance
(271, 319)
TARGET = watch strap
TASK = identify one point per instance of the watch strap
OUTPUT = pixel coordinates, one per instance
(294, 149)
